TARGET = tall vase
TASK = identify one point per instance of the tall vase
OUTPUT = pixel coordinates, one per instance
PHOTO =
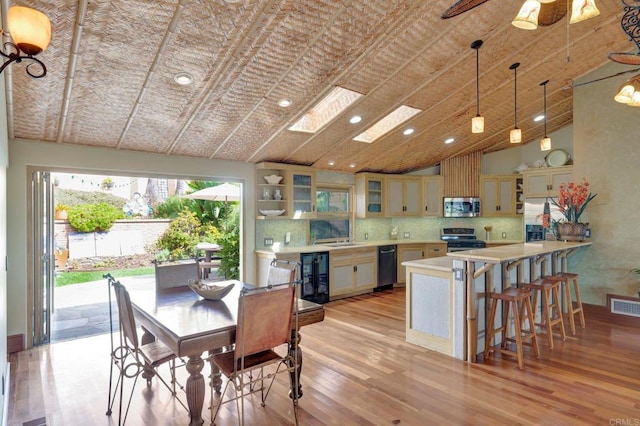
(572, 231)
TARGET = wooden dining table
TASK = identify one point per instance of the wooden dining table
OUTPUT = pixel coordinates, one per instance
(191, 326)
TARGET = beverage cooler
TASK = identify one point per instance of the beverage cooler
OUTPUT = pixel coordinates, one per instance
(315, 277)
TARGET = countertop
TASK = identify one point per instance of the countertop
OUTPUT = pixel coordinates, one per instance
(442, 263)
(355, 245)
(515, 251)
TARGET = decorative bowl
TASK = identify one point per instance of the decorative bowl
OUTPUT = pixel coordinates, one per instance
(210, 291)
(273, 179)
(271, 212)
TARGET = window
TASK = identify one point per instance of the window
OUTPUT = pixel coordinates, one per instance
(333, 200)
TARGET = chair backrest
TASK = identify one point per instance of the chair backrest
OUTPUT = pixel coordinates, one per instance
(281, 272)
(125, 313)
(265, 317)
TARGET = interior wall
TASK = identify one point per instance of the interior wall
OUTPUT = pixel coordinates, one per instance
(91, 160)
(606, 136)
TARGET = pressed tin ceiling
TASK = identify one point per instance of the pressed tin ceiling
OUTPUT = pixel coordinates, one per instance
(111, 68)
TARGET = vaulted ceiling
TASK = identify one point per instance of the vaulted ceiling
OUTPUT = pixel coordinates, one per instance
(111, 67)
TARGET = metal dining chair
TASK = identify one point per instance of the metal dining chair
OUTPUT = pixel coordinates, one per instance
(282, 272)
(133, 359)
(265, 319)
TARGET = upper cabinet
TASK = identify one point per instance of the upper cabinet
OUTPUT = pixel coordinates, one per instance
(499, 195)
(303, 193)
(432, 195)
(546, 181)
(369, 195)
(403, 196)
(285, 192)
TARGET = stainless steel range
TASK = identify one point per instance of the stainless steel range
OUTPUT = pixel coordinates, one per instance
(459, 239)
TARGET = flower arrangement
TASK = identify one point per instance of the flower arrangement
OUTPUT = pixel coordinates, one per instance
(573, 200)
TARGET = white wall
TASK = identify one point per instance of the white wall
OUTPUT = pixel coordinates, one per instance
(505, 162)
(92, 160)
(606, 146)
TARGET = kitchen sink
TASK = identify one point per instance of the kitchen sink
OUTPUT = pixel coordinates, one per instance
(341, 244)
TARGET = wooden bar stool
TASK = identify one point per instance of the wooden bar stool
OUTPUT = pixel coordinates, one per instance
(519, 301)
(565, 278)
(551, 311)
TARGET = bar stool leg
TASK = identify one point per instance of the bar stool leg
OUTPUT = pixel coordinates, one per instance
(578, 302)
(505, 324)
(488, 340)
(546, 315)
(555, 295)
(518, 337)
(569, 305)
(532, 331)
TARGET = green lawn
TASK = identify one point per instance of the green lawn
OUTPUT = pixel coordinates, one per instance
(67, 278)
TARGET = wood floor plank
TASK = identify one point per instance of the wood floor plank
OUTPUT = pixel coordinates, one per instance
(358, 370)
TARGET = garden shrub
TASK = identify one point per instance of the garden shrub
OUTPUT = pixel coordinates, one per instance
(98, 217)
(180, 238)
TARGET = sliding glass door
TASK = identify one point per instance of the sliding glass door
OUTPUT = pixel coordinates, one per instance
(41, 249)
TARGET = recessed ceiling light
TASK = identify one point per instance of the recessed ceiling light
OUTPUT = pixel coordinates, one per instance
(284, 103)
(449, 140)
(332, 163)
(408, 131)
(352, 165)
(183, 78)
(355, 119)
(539, 118)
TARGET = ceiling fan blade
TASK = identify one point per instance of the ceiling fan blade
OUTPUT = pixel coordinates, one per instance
(461, 6)
(550, 13)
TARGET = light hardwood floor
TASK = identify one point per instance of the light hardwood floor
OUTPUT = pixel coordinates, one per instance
(359, 370)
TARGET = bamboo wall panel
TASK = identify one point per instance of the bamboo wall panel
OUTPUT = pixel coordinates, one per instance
(462, 175)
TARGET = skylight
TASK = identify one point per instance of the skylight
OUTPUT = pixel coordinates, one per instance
(388, 123)
(326, 110)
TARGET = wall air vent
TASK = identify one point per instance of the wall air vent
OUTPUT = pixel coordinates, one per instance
(625, 307)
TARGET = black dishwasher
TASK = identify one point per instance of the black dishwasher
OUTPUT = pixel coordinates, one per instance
(387, 267)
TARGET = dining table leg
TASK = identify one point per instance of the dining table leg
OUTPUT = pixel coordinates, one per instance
(195, 389)
(295, 352)
(216, 376)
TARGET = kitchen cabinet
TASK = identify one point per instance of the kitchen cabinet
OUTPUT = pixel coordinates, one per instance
(369, 195)
(408, 252)
(545, 182)
(271, 197)
(403, 196)
(352, 271)
(417, 251)
(435, 250)
(303, 193)
(498, 195)
(295, 193)
(432, 195)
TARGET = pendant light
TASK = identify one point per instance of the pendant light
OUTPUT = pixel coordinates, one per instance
(545, 143)
(515, 136)
(527, 17)
(629, 92)
(477, 123)
(582, 10)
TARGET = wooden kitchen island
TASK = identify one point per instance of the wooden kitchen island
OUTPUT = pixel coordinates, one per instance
(447, 296)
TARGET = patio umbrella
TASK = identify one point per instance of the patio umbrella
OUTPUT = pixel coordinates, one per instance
(224, 192)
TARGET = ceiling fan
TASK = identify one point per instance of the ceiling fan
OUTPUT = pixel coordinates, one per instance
(550, 13)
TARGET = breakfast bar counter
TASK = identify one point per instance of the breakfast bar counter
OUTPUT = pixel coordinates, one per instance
(447, 297)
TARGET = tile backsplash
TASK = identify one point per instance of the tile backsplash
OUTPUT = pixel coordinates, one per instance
(380, 229)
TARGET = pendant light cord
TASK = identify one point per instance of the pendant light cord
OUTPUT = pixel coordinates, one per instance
(476, 46)
(478, 81)
(544, 85)
(514, 67)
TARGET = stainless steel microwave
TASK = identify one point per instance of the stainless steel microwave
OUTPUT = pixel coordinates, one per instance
(461, 207)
